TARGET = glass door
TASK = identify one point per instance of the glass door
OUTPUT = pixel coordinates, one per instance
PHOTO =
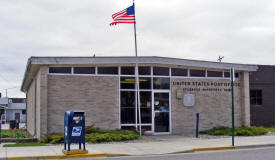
(161, 102)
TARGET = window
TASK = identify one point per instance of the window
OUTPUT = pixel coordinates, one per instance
(161, 71)
(17, 100)
(107, 70)
(236, 75)
(214, 74)
(145, 107)
(256, 97)
(64, 70)
(227, 74)
(127, 82)
(127, 107)
(161, 83)
(197, 73)
(127, 71)
(144, 70)
(84, 70)
(144, 82)
(179, 72)
(24, 111)
(128, 127)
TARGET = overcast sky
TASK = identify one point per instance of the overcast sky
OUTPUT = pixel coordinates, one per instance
(241, 30)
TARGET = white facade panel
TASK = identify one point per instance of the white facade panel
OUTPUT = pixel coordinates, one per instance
(4, 100)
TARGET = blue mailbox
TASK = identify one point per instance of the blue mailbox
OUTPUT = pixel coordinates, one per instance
(74, 128)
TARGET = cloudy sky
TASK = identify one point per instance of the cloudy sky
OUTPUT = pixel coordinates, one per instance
(241, 30)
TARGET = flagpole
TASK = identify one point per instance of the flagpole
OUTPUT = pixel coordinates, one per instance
(137, 78)
(135, 29)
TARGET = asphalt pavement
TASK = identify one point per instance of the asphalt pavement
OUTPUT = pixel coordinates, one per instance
(265, 153)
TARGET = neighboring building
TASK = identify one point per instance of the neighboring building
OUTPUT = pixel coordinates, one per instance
(262, 94)
(12, 109)
(3, 105)
(170, 93)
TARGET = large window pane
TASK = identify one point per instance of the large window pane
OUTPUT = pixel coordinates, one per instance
(127, 107)
(161, 71)
(144, 82)
(144, 70)
(128, 127)
(107, 70)
(127, 82)
(146, 107)
(227, 74)
(127, 70)
(161, 83)
(84, 70)
(197, 73)
(214, 74)
(179, 72)
(60, 70)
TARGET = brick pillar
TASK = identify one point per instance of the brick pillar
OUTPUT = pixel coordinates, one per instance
(41, 106)
(245, 99)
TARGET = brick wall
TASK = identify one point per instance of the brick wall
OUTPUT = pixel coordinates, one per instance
(214, 107)
(97, 96)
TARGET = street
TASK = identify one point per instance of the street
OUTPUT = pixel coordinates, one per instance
(267, 153)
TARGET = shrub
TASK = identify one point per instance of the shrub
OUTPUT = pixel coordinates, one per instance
(54, 138)
(239, 131)
(251, 131)
(17, 133)
(96, 135)
(91, 129)
(111, 135)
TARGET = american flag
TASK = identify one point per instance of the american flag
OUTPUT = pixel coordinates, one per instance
(125, 16)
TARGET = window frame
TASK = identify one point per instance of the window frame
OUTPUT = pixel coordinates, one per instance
(84, 73)
(116, 74)
(59, 73)
(257, 97)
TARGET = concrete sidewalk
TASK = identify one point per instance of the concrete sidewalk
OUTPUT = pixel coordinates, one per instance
(147, 145)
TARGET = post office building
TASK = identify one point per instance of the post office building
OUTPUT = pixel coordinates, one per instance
(158, 94)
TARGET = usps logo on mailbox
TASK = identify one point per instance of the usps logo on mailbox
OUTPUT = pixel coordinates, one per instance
(76, 131)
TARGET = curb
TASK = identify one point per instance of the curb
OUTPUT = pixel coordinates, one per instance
(90, 155)
(255, 146)
(213, 148)
(68, 156)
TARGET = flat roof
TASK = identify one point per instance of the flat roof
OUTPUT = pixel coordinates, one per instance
(35, 62)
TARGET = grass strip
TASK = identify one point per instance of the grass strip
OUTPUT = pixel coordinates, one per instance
(24, 144)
